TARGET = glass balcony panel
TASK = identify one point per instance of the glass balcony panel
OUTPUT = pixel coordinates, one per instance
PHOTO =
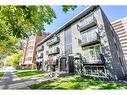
(53, 41)
(55, 50)
(90, 37)
(86, 23)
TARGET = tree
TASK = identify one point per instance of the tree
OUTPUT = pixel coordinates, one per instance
(15, 59)
(66, 8)
(17, 21)
(1, 63)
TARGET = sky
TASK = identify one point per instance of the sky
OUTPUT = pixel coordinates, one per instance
(112, 12)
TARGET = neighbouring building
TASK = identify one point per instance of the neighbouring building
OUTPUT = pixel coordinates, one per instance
(120, 27)
(91, 35)
(29, 49)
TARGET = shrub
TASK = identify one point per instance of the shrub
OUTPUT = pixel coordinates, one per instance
(33, 66)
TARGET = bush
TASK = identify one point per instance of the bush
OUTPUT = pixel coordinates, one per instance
(33, 66)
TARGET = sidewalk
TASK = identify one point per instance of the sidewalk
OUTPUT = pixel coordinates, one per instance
(11, 81)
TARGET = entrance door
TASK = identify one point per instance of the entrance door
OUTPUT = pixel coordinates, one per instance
(70, 63)
(63, 65)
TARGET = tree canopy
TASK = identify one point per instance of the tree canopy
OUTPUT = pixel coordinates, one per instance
(17, 21)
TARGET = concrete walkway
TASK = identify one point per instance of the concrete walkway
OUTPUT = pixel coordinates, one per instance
(11, 81)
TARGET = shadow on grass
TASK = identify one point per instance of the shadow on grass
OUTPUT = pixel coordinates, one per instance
(87, 83)
(1, 74)
(77, 83)
(46, 85)
(28, 73)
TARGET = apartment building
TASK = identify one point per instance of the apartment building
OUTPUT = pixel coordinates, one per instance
(120, 27)
(29, 49)
(91, 35)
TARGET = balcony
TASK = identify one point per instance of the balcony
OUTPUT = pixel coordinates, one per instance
(86, 23)
(53, 41)
(54, 51)
(40, 56)
(100, 61)
(40, 48)
(90, 38)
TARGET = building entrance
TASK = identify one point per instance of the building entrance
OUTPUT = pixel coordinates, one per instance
(63, 65)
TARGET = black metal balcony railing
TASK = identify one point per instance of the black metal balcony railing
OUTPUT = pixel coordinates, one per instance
(53, 41)
(91, 40)
(87, 23)
(54, 51)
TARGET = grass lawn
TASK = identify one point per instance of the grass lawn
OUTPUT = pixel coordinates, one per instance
(76, 82)
(1, 68)
(1, 74)
(26, 74)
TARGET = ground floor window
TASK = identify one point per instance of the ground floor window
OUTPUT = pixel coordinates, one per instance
(91, 54)
(94, 70)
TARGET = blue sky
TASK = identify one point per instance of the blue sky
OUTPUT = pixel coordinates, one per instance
(112, 12)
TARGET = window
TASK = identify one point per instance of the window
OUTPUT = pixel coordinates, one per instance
(29, 53)
(30, 47)
(47, 52)
(92, 54)
(29, 58)
(32, 37)
(88, 70)
(95, 70)
(68, 49)
(31, 42)
(68, 41)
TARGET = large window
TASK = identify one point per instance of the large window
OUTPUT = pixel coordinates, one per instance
(92, 54)
(30, 48)
(29, 59)
(29, 53)
(32, 38)
(31, 43)
(95, 70)
(68, 41)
